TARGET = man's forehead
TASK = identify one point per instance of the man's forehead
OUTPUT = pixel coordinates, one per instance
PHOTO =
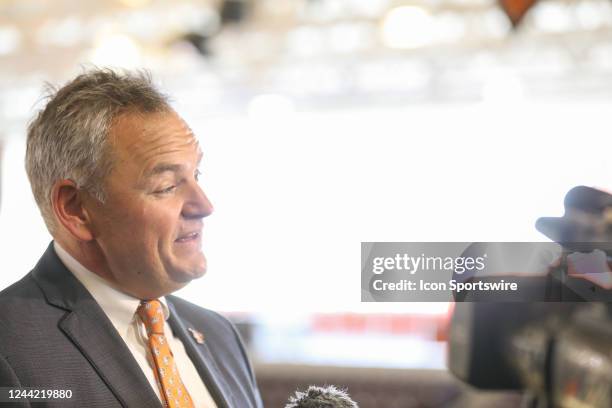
(139, 133)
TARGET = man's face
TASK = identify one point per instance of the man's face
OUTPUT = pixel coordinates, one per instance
(149, 228)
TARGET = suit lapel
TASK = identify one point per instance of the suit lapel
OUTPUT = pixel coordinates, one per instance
(202, 359)
(98, 340)
(93, 334)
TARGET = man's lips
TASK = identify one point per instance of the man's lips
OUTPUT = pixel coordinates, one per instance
(190, 236)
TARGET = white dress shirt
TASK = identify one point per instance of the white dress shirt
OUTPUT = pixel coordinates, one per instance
(120, 308)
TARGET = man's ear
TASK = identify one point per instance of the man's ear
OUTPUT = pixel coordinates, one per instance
(69, 209)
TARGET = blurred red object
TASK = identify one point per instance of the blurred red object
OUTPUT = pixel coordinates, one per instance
(516, 9)
(424, 325)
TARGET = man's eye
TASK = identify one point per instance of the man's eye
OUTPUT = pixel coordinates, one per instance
(166, 190)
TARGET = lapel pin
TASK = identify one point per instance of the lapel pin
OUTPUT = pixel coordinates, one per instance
(198, 336)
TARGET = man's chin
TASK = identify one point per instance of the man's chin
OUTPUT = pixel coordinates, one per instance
(195, 274)
(185, 275)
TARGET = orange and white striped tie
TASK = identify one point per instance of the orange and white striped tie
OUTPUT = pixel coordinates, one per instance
(171, 387)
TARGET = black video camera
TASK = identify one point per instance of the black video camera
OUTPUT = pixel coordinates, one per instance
(557, 348)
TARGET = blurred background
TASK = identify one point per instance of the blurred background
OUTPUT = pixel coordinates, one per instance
(326, 123)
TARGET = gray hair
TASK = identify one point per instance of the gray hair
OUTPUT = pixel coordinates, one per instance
(68, 138)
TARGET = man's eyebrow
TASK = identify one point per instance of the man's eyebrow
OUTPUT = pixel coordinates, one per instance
(162, 168)
(170, 167)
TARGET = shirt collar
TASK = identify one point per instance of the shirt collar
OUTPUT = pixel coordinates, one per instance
(118, 306)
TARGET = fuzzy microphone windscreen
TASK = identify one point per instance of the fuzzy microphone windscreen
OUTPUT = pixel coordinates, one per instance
(321, 397)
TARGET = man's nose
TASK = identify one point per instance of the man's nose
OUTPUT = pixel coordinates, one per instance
(197, 204)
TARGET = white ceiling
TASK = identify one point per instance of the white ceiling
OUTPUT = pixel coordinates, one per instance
(318, 53)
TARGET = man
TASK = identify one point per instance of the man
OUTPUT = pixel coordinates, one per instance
(114, 171)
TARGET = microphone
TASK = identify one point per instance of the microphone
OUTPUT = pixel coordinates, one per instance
(321, 397)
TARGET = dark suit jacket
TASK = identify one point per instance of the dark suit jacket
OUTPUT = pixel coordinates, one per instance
(53, 335)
